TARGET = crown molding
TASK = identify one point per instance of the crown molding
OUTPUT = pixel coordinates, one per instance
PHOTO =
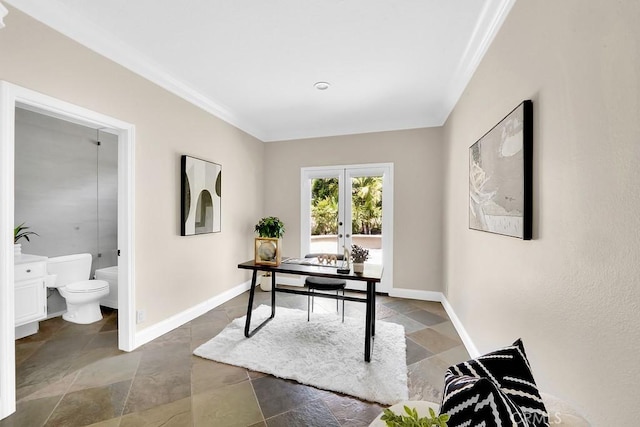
(68, 22)
(489, 23)
(75, 26)
(298, 134)
(3, 13)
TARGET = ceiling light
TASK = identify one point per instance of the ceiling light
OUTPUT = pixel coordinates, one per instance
(321, 85)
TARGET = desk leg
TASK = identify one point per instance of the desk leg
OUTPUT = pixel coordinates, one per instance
(373, 308)
(252, 291)
(369, 322)
(273, 294)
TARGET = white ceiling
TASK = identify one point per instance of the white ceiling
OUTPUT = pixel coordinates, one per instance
(392, 64)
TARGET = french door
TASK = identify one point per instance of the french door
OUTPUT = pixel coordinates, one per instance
(346, 205)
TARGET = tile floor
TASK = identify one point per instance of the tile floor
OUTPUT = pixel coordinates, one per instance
(74, 375)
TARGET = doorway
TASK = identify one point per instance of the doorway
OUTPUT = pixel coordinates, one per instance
(346, 205)
(65, 190)
(12, 96)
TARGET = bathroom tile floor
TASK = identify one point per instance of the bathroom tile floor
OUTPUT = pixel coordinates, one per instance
(74, 375)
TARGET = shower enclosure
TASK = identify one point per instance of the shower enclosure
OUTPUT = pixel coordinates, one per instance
(66, 181)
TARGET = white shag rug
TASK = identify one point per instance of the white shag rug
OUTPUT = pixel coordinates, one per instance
(324, 352)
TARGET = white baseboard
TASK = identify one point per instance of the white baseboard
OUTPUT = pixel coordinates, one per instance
(439, 297)
(464, 335)
(27, 329)
(416, 294)
(152, 332)
(290, 280)
(149, 334)
(56, 314)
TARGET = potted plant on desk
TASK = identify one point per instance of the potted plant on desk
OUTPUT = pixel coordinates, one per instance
(359, 255)
(268, 246)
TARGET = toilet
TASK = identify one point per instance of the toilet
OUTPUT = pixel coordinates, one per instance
(110, 275)
(70, 275)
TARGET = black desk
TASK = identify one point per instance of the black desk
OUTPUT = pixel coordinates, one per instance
(372, 275)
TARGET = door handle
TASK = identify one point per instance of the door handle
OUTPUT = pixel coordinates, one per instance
(339, 236)
(348, 235)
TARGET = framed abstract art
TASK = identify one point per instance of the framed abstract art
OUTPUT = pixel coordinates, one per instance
(201, 196)
(500, 176)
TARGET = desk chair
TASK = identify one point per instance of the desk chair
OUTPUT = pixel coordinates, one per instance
(324, 284)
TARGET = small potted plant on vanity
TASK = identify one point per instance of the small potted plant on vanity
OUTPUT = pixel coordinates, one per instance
(268, 246)
(20, 232)
(358, 256)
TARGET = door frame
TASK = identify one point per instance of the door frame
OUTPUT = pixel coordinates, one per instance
(386, 284)
(12, 96)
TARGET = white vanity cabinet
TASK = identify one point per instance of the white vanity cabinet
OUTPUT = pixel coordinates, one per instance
(30, 293)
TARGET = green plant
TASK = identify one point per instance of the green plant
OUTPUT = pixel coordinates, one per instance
(20, 233)
(270, 226)
(324, 217)
(359, 254)
(366, 205)
(412, 419)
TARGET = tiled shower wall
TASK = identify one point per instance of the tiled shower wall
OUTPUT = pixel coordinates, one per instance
(66, 188)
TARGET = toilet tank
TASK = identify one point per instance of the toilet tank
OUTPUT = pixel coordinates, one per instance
(69, 268)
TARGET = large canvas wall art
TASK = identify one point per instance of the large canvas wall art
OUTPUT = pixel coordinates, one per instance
(201, 196)
(500, 176)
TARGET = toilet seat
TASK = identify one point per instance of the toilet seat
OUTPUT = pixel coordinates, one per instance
(86, 286)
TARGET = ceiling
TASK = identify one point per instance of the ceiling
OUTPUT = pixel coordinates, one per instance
(391, 64)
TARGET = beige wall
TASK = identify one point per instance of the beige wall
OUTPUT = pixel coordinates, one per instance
(418, 184)
(173, 273)
(572, 293)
